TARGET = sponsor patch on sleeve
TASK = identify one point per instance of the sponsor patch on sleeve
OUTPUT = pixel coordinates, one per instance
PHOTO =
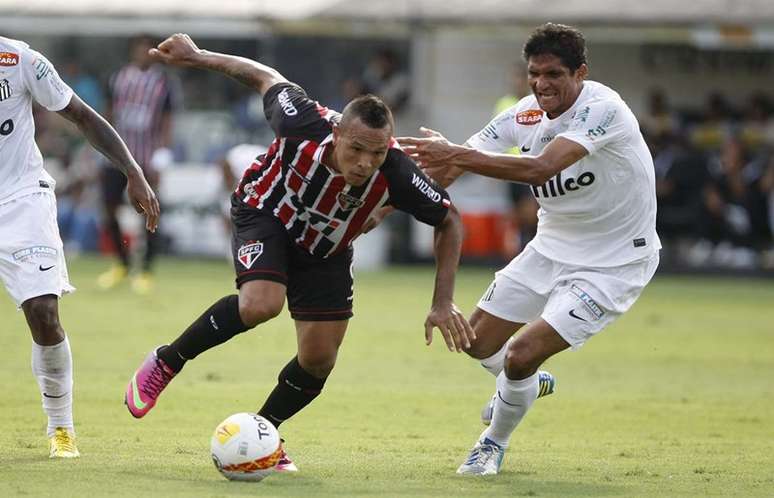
(529, 117)
(8, 59)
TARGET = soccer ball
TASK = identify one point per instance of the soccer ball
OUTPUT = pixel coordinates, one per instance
(245, 447)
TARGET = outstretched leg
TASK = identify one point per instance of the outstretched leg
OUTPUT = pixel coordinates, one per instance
(258, 301)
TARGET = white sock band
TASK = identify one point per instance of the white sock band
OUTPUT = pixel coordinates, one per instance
(53, 369)
(514, 398)
(495, 363)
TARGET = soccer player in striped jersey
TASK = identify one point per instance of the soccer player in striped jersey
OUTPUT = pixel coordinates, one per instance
(143, 98)
(596, 246)
(295, 214)
(32, 263)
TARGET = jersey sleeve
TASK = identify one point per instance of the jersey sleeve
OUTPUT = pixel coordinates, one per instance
(413, 192)
(500, 135)
(44, 83)
(290, 111)
(598, 124)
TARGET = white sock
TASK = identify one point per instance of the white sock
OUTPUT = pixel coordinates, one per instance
(53, 369)
(495, 363)
(514, 398)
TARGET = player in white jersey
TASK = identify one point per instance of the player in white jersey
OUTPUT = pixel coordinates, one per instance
(596, 245)
(32, 266)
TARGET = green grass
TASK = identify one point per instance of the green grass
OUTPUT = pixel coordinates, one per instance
(674, 399)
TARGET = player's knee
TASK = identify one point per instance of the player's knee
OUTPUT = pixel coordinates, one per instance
(254, 310)
(479, 350)
(519, 362)
(43, 317)
(319, 363)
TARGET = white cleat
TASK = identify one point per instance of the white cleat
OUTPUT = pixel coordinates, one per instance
(485, 459)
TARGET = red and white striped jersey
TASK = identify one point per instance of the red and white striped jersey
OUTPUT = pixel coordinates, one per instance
(139, 99)
(320, 211)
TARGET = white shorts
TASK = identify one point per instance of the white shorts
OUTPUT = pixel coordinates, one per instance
(576, 301)
(32, 261)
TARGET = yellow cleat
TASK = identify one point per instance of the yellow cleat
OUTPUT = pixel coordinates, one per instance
(143, 283)
(112, 277)
(62, 444)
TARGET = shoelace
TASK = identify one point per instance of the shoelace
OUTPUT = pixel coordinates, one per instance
(64, 441)
(156, 381)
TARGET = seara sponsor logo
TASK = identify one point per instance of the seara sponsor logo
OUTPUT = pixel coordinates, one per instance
(529, 117)
(8, 59)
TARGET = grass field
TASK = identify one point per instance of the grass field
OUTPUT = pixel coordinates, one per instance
(675, 399)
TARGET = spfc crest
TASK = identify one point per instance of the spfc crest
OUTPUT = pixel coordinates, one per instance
(347, 202)
(5, 90)
(248, 253)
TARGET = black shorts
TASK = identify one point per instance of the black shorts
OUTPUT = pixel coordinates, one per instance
(113, 183)
(113, 186)
(318, 289)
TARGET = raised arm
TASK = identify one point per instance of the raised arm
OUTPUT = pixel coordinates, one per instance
(104, 138)
(180, 50)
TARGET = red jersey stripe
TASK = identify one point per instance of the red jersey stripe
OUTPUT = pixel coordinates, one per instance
(374, 195)
(329, 196)
(309, 238)
(285, 213)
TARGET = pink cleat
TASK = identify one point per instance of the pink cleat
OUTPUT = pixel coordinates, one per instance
(146, 385)
(285, 464)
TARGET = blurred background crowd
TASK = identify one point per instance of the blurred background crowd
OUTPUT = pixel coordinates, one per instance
(702, 92)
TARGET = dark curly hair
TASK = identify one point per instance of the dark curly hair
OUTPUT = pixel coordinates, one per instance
(565, 42)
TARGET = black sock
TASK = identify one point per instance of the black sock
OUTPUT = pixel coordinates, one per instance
(295, 389)
(117, 238)
(217, 325)
(152, 241)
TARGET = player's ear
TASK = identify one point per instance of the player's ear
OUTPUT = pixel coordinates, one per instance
(336, 132)
(582, 72)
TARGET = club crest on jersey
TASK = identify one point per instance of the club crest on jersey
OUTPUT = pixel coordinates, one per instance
(8, 59)
(248, 253)
(347, 202)
(529, 117)
(5, 90)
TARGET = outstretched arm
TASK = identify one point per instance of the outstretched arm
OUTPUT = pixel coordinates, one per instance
(444, 314)
(104, 138)
(437, 156)
(179, 49)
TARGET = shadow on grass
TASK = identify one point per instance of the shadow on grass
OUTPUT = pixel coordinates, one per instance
(506, 484)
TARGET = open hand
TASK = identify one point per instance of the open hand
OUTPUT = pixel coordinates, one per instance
(431, 152)
(453, 325)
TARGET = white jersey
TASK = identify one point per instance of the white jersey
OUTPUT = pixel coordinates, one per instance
(25, 75)
(600, 211)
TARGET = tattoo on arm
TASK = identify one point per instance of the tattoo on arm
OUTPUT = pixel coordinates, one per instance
(248, 72)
